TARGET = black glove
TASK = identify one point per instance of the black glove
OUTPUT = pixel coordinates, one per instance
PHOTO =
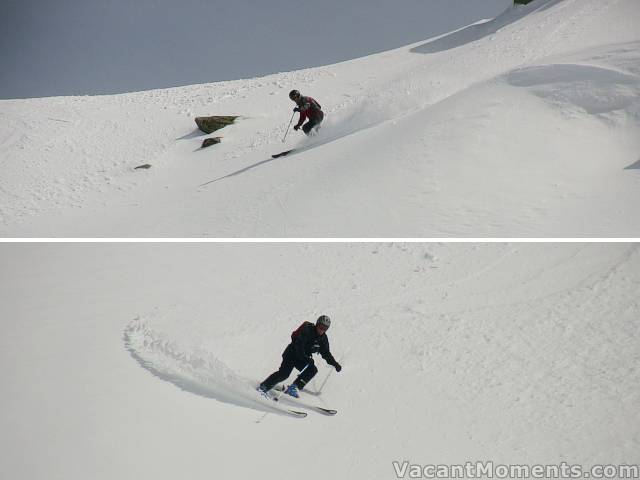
(297, 109)
(338, 367)
(296, 127)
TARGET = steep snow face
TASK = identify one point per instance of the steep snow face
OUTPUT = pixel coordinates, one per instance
(137, 360)
(524, 125)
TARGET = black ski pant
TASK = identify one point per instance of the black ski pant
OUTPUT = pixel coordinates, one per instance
(289, 362)
(313, 123)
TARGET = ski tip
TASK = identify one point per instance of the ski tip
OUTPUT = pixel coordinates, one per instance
(282, 154)
(327, 411)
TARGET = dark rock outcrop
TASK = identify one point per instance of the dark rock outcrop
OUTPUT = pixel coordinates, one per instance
(211, 124)
(210, 141)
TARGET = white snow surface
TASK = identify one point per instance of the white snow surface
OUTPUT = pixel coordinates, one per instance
(136, 361)
(527, 125)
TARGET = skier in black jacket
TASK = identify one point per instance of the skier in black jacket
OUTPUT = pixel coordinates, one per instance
(305, 341)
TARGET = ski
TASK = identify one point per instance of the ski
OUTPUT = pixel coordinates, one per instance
(306, 391)
(283, 397)
(282, 154)
(297, 403)
(294, 413)
(311, 392)
(284, 410)
(322, 411)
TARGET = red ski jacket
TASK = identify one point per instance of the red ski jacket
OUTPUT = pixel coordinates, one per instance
(309, 108)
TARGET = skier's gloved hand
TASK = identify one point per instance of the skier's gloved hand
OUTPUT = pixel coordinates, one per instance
(338, 367)
(297, 109)
(296, 127)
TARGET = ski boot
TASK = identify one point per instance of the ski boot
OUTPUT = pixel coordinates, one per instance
(292, 390)
(263, 392)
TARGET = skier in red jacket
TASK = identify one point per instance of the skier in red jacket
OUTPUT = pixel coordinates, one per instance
(308, 108)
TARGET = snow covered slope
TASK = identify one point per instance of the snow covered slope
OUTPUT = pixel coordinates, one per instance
(525, 125)
(135, 360)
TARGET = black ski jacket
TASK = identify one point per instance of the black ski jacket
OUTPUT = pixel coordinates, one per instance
(309, 342)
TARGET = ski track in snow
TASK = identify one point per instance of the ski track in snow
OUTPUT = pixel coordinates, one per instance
(192, 370)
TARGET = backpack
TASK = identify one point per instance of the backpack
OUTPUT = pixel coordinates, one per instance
(315, 105)
(296, 333)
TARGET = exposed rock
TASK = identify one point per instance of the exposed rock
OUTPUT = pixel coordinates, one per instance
(211, 124)
(210, 141)
(146, 165)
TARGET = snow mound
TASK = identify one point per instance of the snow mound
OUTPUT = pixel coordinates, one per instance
(594, 89)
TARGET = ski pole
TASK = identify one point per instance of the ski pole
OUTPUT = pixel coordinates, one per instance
(325, 381)
(285, 133)
(331, 371)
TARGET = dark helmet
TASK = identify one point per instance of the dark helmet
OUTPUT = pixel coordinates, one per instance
(294, 95)
(324, 321)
